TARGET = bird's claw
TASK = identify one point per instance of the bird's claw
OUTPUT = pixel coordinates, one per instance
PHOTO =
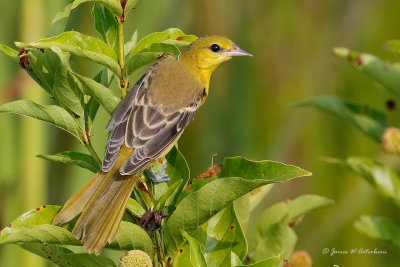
(159, 177)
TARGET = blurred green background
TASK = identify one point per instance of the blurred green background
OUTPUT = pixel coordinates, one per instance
(246, 113)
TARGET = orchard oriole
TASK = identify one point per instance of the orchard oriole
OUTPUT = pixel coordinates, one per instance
(144, 127)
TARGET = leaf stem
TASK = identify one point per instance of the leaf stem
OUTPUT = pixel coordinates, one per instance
(89, 147)
(121, 57)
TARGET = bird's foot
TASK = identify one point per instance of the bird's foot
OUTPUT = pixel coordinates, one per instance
(159, 177)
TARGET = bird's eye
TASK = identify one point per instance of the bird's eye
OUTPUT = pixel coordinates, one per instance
(215, 48)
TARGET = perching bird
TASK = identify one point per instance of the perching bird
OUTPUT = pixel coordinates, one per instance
(144, 127)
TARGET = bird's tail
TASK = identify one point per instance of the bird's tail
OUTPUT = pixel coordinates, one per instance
(102, 202)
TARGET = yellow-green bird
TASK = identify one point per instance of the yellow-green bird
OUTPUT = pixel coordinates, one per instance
(144, 127)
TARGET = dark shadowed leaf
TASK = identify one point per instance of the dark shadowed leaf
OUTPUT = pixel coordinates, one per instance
(381, 177)
(368, 120)
(379, 228)
(106, 24)
(48, 113)
(148, 55)
(75, 158)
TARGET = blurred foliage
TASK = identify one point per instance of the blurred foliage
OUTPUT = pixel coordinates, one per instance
(245, 113)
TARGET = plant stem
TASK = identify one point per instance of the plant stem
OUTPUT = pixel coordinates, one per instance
(121, 56)
(89, 147)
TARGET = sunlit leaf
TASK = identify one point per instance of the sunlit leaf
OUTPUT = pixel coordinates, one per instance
(196, 255)
(368, 120)
(64, 257)
(379, 228)
(9, 51)
(48, 113)
(214, 196)
(272, 234)
(134, 207)
(80, 45)
(75, 158)
(60, 21)
(381, 177)
(131, 43)
(171, 36)
(373, 67)
(102, 94)
(113, 5)
(35, 226)
(130, 5)
(270, 262)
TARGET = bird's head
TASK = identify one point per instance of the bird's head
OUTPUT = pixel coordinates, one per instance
(208, 53)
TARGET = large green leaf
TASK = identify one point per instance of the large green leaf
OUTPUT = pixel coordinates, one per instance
(171, 36)
(275, 261)
(134, 207)
(65, 257)
(75, 158)
(199, 206)
(148, 55)
(106, 24)
(379, 228)
(35, 226)
(131, 43)
(196, 254)
(48, 113)
(368, 120)
(381, 177)
(113, 5)
(223, 235)
(80, 45)
(9, 51)
(373, 67)
(102, 94)
(272, 234)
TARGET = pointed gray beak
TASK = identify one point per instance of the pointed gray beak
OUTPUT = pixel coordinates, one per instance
(237, 51)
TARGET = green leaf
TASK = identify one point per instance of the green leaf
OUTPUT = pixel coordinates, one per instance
(34, 226)
(373, 67)
(113, 5)
(223, 236)
(270, 262)
(9, 51)
(368, 120)
(130, 5)
(106, 24)
(196, 255)
(169, 195)
(134, 207)
(148, 55)
(82, 46)
(65, 257)
(60, 21)
(102, 94)
(48, 113)
(75, 158)
(272, 234)
(171, 36)
(235, 261)
(131, 43)
(379, 228)
(199, 206)
(381, 177)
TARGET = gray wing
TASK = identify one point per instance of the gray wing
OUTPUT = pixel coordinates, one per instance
(147, 127)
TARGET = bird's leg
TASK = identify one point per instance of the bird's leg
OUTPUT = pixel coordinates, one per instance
(158, 177)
